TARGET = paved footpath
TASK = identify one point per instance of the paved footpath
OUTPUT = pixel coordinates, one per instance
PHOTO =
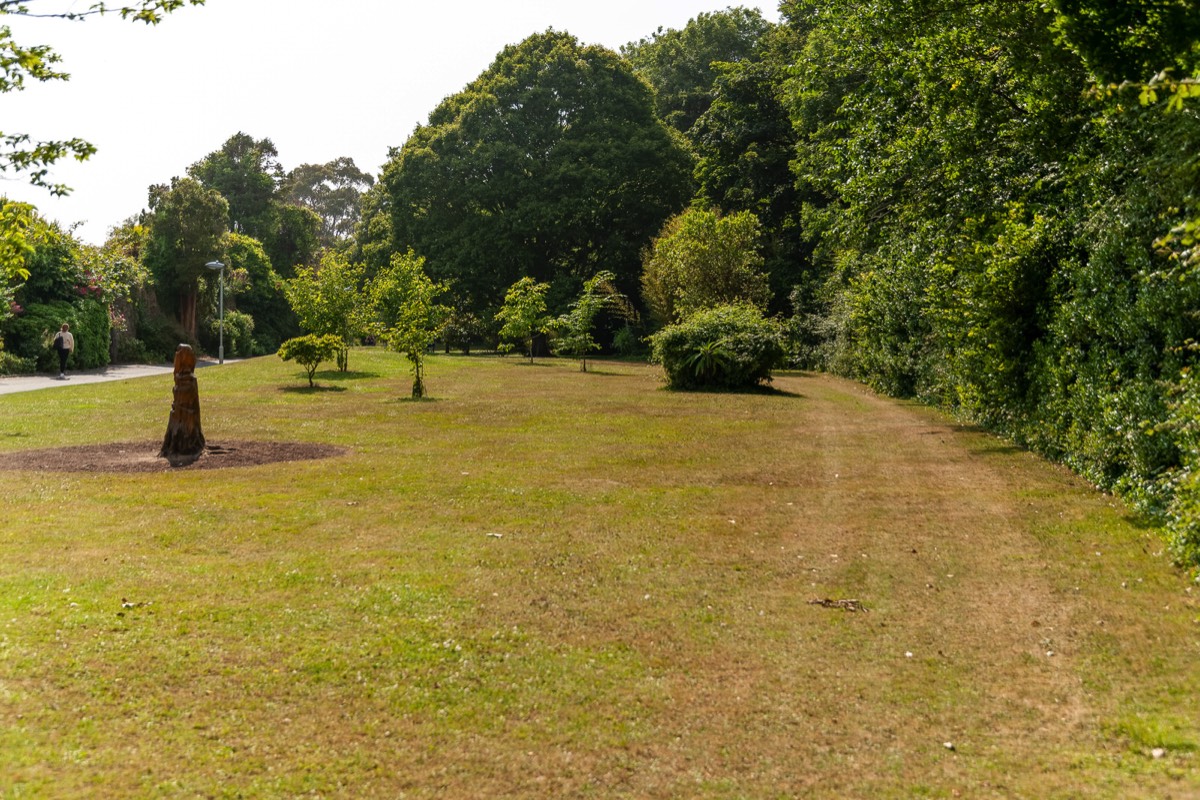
(10, 384)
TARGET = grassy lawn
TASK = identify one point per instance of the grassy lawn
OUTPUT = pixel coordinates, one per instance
(546, 583)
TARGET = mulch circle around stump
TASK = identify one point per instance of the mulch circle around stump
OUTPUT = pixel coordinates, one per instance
(143, 456)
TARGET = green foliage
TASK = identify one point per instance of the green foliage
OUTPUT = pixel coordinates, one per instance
(329, 299)
(115, 268)
(627, 342)
(574, 329)
(702, 260)
(186, 231)
(1182, 427)
(332, 190)
(523, 315)
(744, 144)
(15, 222)
(29, 334)
(53, 265)
(66, 282)
(309, 351)
(244, 171)
(253, 287)
(408, 317)
(724, 347)
(994, 233)
(15, 365)
(1131, 39)
(239, 333)
(157, 338)
(295, 238)
(550, 165)
(682, 65)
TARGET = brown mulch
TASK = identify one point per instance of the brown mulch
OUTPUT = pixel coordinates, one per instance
(143, 456)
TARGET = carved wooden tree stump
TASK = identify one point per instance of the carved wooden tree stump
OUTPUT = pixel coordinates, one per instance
(184, 441)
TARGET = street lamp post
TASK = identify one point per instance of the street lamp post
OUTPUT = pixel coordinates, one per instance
(217, 265)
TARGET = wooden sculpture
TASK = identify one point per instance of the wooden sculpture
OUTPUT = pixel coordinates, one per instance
(184, 441)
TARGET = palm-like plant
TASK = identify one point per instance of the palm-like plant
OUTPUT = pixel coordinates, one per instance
(709, 360)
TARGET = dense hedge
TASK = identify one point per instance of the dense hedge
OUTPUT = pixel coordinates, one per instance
(29, 335)
(726, 347)
(1002, 235)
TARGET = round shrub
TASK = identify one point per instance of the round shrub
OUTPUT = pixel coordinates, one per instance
(725, 347)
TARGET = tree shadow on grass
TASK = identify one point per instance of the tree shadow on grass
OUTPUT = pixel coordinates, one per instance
(1142, 522)
(318, 389)
(769, 391)
(349, 375)
(990, 443)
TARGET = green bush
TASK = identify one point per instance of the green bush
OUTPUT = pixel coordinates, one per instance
(133, 351)
(239, 334)
(309, 351)
(15, 365)
(29, 335)
(725, 347)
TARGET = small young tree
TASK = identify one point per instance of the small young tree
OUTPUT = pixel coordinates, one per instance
(328, 299)
(309, 351)
(574, 329)
(407, 316)
(523, 315)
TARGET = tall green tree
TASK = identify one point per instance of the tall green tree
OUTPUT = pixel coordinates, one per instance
(258, 291)
(744, 145)
(246, 172)
(701, 260)
(333, 190)
(186, 228)
(683, 65)
(295, 238)
(955, 115)
(551, 165)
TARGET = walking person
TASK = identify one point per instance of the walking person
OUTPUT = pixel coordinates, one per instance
(64, 343)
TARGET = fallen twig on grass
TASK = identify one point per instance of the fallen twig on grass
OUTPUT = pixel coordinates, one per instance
(848, 605)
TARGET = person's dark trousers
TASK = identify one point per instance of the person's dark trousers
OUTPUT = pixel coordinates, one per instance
(62, 360)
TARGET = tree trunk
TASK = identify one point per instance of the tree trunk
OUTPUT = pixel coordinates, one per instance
(187, 312)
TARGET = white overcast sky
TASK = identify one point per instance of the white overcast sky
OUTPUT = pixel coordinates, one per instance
(319, 78)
